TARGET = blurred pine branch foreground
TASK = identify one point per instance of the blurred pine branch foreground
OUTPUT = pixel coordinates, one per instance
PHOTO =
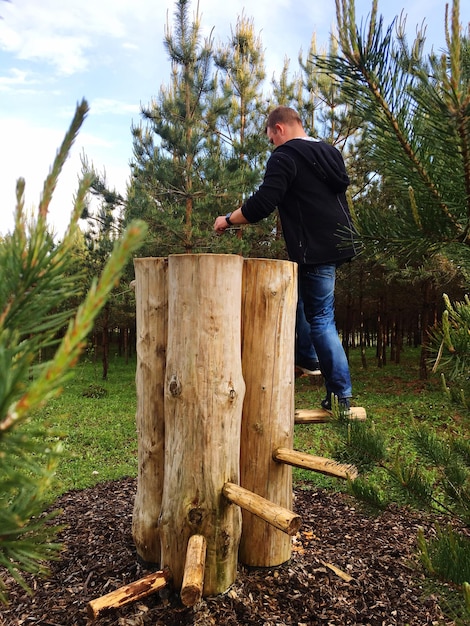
(39, 283)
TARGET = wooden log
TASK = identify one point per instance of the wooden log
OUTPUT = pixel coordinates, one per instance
(268, 345)
(315, 463)
(282, 519)
(151, 326)
(129, 593)
(204, 391)
(193, 577)
(320, 416)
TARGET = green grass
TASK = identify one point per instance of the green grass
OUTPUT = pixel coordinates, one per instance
(396, 402)
(96, 419)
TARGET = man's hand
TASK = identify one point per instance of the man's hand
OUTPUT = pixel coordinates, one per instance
(220, 224)
(236, 218)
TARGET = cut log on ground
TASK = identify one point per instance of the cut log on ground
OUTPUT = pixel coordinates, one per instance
(129, 593)
(193, 578)
(339, 572)
(273, 514)
(315, 463)
(320, 416)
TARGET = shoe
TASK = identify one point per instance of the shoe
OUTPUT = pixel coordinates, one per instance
(343, 403)
(310, 368)
(315, 372)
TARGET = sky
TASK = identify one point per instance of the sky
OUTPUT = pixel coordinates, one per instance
(54, 53)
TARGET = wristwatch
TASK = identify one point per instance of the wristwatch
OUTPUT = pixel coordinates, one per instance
(227, 219)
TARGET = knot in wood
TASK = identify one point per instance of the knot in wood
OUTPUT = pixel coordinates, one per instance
(232, 393)
(258, 427)
(195, 516)
(175, 386)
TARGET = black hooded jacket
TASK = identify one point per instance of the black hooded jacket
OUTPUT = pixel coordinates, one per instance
(306, 180)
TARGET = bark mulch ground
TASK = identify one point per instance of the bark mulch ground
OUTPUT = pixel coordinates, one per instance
(387, 587)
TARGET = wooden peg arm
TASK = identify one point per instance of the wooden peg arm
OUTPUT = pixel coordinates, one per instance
(277, 516)
(315, 463)
(193, 577)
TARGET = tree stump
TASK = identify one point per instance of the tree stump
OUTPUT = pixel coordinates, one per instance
(268, 340)
(151, 321)
(204, 391)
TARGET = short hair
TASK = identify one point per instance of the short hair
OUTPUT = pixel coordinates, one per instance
(283, 115)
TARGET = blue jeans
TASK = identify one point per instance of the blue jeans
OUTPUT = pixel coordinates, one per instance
(304, 350)
(317, 290)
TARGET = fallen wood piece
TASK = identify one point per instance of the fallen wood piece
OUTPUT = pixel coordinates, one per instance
(337, 571)
(315, 463)
(193, 577)
(129, 593)
(320, 416)
(276, 515)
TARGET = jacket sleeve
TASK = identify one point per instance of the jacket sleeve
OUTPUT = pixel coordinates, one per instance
(280, 172)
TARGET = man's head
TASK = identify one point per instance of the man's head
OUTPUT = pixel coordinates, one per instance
(283, 124)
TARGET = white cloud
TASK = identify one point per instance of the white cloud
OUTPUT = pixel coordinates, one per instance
(17, 79)
(63, 34)
(72, 57)
(32, 150)
(108, 106)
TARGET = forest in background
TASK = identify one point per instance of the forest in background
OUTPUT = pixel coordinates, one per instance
(400, 117)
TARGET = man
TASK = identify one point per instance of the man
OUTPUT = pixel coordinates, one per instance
(306, 180)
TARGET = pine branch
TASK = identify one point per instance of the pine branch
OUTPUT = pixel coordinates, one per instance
(37, 278)
(359, 64)
(51, 180)
(415, 110)
(49, 384)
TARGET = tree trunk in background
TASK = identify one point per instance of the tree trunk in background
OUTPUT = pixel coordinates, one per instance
(362, 332)
(125, 330)
(268, 336)
(151, 319)
(105, 342)
(425, 323)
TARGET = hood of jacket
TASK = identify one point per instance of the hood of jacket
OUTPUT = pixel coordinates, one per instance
(325, 160)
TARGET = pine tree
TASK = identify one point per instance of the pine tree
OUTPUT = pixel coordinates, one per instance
(452, 343)
(417, 118)
(36, 358)
(168, 173)
(240, 135)
(323, 107)
(104, 227)
(202, 148)
(415, 111)
(433, 475)
(288, 91)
